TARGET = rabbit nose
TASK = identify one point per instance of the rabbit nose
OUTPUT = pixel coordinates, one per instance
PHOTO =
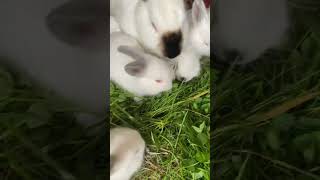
(172, 44)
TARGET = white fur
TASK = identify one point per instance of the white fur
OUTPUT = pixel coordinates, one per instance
(197, 44)
(135, 17)
(188, 65)
(74, 73)
(200, 29)
(127, 147)
(114, 26)
(249, 26)
(156, 68)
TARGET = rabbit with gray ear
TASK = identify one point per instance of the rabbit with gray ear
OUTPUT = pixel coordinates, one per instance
(156, 24)
(197, 44)
(247, 28)
(127, 149)
(136, 71)
(61, 45)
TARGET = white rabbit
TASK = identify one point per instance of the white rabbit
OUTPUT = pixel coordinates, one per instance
(60, 45)
(127, 149)
(198, 20)
(196, 29)
(135, 70)
(248, 27)
(114, 26)
(156, 24)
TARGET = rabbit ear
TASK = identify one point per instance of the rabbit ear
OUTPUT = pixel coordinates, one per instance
(199, 12)
(136, 68)
(133, 52)
(80, 22)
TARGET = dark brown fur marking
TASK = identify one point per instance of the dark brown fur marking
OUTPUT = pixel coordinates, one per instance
(172, 43)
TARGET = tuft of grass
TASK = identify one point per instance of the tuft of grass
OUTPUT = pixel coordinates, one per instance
(175, 125)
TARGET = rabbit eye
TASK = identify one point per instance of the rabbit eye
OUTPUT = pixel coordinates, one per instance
(159, 81)
(205, 43)
(154, 27)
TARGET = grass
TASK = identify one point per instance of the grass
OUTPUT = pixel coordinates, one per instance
(175, 125)
(267, 118)
(40, 139)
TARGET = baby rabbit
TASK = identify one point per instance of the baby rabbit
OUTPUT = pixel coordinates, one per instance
(156, 24)
(127, 149)
(197, 42)
(247, 28)
(60, 45)
(199, 23)
(135, 70)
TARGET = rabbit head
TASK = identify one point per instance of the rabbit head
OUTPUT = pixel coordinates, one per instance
(159, 26)
(200, 30)
(153, 75)
(127, 149)
(188, 66)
